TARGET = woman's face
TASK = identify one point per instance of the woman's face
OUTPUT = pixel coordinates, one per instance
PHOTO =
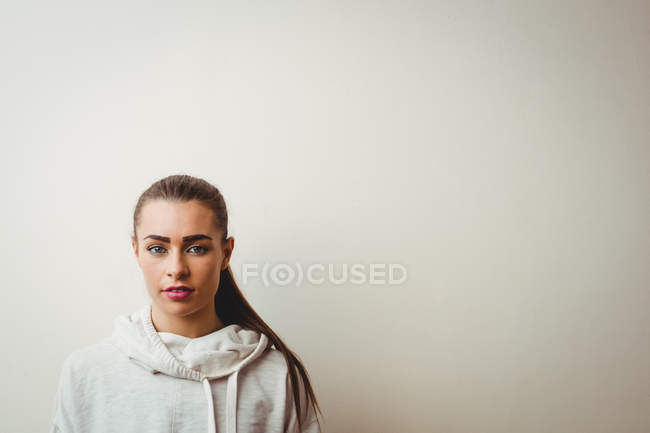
(166, 259)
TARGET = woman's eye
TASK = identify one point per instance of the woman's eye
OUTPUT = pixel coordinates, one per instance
(155, 250)
(201, 249)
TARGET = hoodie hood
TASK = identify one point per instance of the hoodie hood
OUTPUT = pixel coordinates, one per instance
(218, 354)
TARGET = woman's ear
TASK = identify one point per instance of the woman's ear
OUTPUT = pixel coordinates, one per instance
(229, 245)
(134, 245)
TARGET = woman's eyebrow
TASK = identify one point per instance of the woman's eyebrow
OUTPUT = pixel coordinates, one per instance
(190, 238)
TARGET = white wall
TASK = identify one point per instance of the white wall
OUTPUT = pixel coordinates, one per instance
(498, 150)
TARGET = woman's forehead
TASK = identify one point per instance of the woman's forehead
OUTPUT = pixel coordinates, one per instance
(173, 219)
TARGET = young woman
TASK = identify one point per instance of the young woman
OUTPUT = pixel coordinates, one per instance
(197, 358)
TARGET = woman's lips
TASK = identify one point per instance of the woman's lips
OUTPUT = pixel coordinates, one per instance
(178, 292)
(178, 288)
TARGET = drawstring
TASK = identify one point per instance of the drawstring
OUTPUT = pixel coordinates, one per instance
(231, 404)
(208, 395)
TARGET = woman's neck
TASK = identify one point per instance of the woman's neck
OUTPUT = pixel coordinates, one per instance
(194, 325)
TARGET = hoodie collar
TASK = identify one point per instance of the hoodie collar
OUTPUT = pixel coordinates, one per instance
(218, 354)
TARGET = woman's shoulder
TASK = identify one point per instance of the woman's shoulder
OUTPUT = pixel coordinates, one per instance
(272, 360)
(95, 357)
(269, 368)
(273, 356)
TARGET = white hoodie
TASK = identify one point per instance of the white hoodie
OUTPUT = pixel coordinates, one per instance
(143, 381)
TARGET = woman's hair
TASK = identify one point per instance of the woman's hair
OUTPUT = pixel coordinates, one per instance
(229, 303)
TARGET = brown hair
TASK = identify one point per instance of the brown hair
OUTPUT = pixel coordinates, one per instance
(229, 303)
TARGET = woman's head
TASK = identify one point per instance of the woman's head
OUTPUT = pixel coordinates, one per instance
(180, 238)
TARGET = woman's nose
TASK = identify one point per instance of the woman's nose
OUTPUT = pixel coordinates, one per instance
(176, 266)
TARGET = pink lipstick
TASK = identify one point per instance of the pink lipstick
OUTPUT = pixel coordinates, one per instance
(178, 292)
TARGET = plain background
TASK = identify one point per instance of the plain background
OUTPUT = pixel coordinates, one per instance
(500, 151)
